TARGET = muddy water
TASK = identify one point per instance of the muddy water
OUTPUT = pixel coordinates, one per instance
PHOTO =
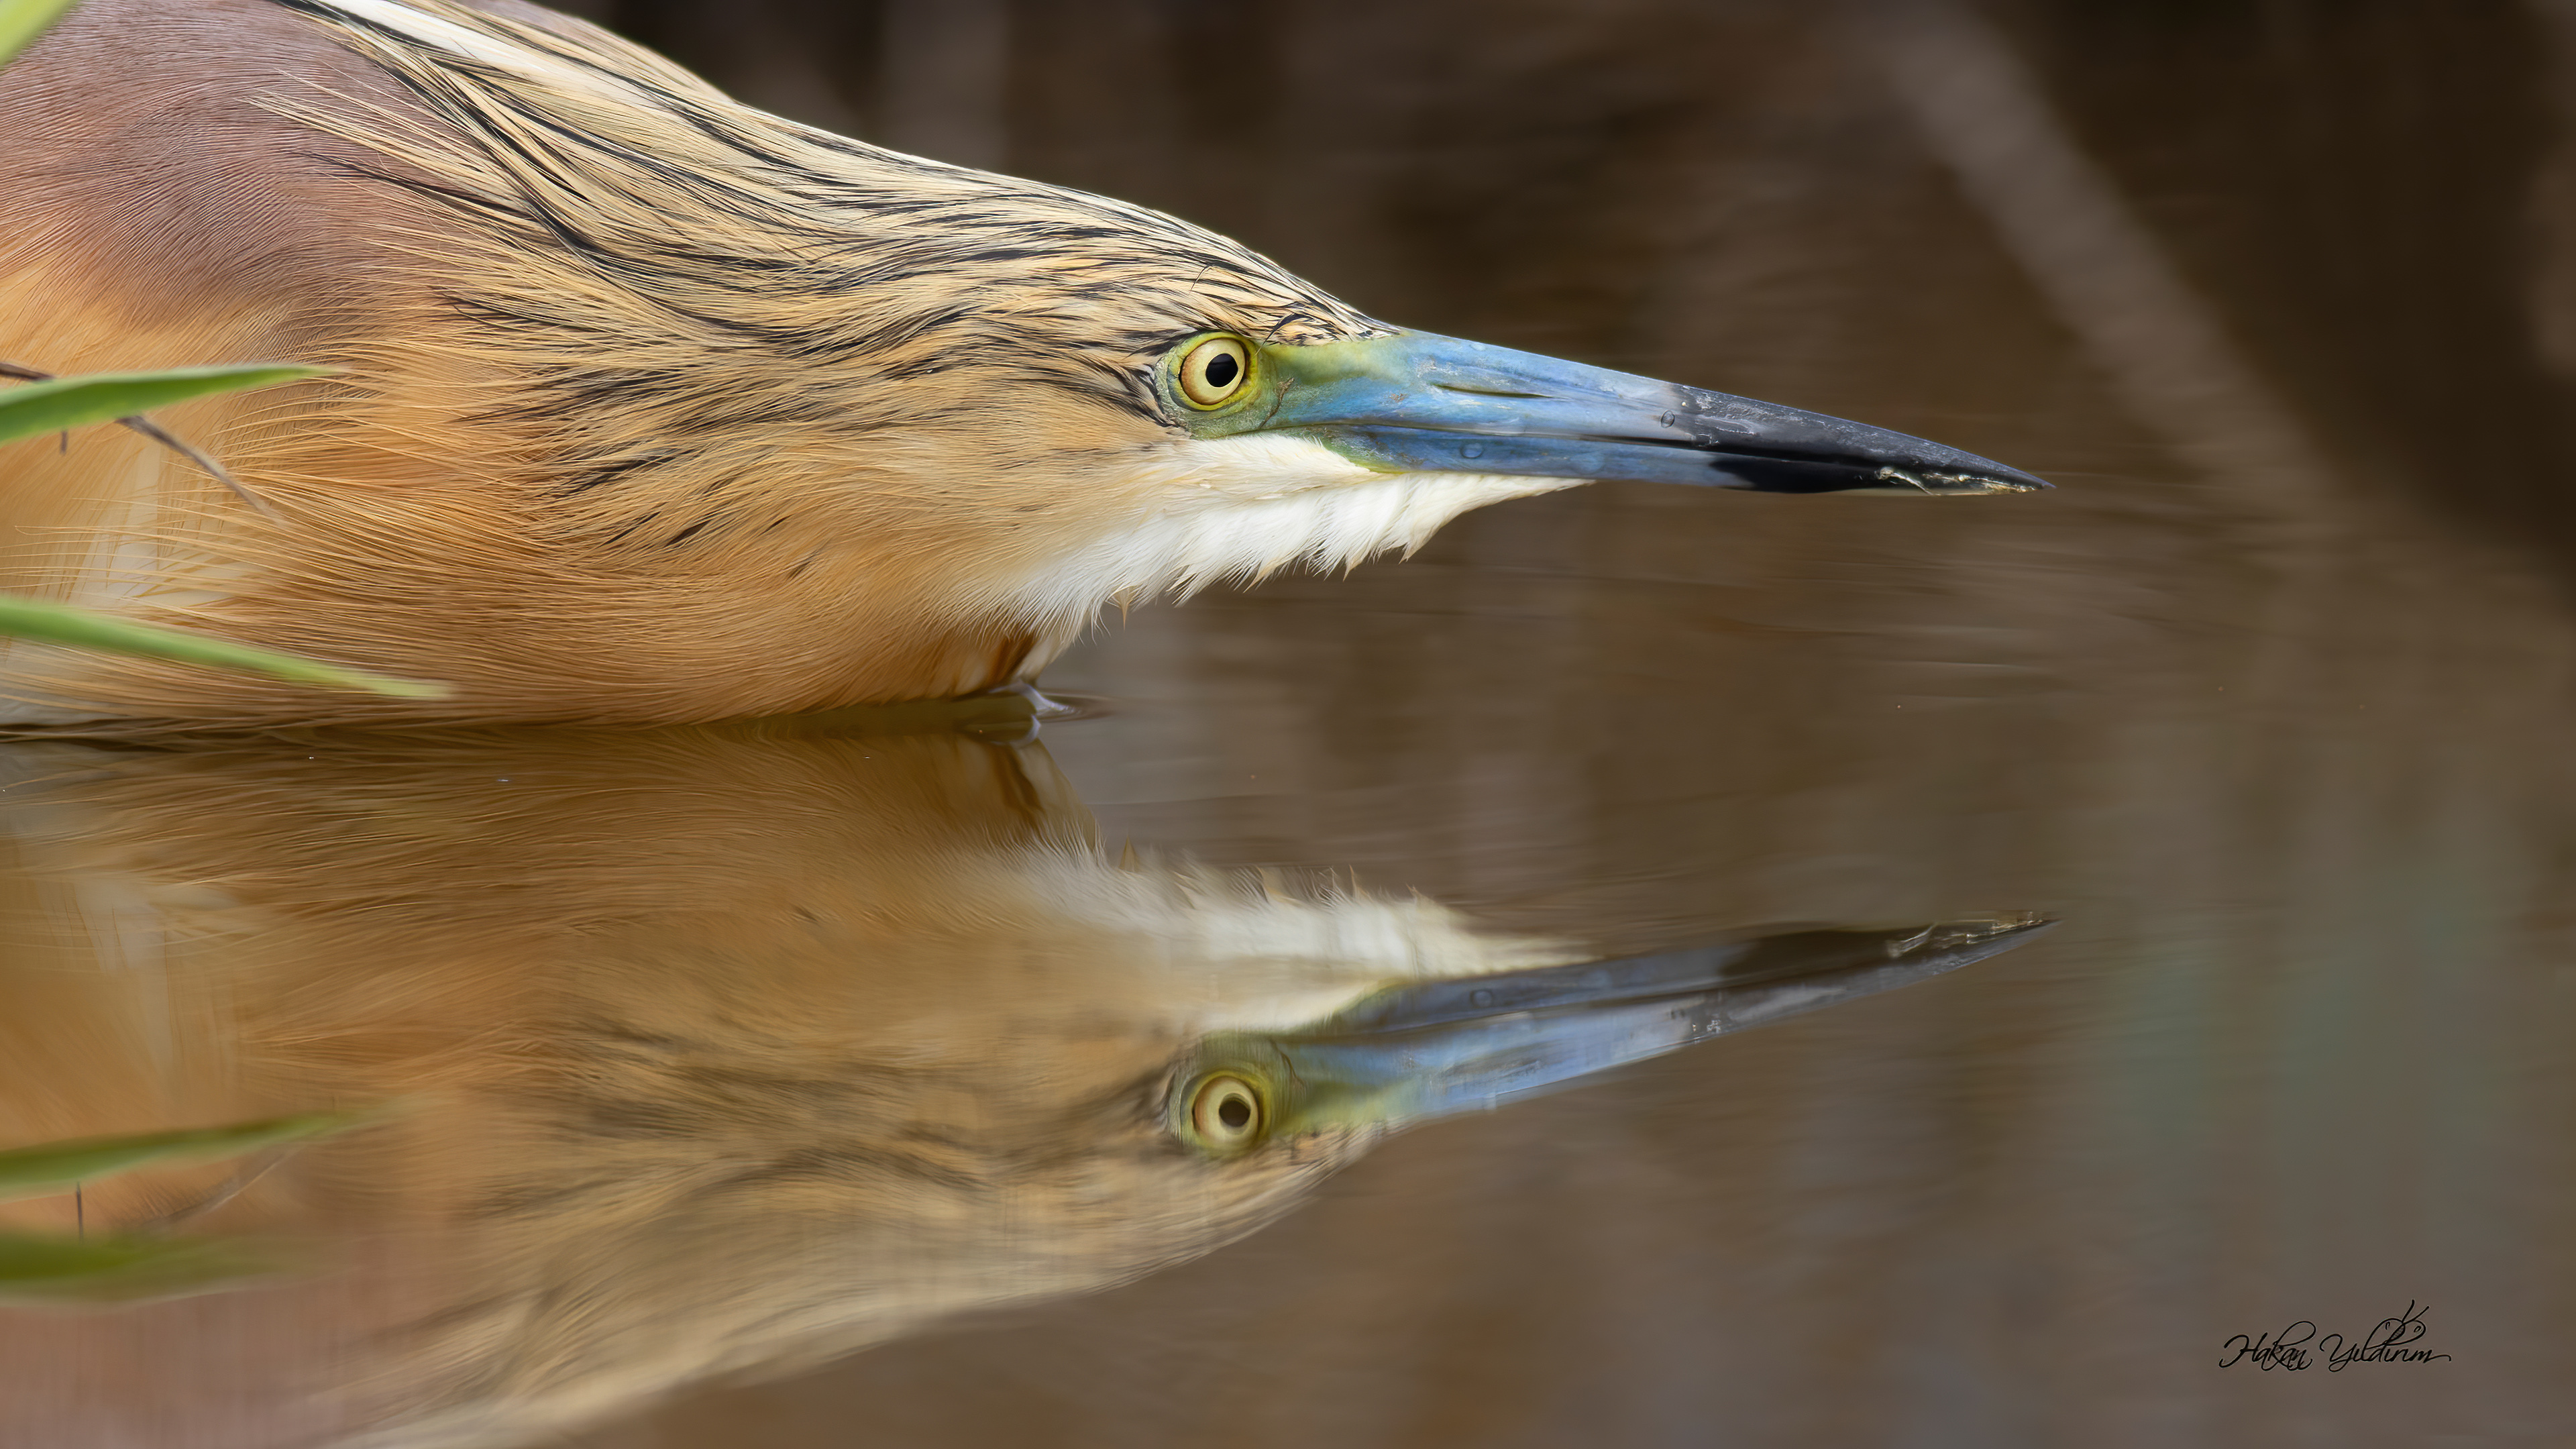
(2268, 704)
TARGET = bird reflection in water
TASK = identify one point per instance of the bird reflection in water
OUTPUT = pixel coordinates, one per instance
(713, 1051)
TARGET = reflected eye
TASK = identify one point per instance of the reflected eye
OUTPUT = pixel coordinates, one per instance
(1214, 370)
(1226, 1114)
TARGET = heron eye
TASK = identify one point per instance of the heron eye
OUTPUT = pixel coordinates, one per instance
(1214, 370)
(1226, 1114)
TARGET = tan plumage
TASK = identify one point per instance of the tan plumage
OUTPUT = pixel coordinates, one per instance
(656, 407)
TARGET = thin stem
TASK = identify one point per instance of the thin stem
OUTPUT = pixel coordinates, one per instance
(158, 434)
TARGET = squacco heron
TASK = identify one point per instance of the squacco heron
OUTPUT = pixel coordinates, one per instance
(653, 407)
(713, 1052)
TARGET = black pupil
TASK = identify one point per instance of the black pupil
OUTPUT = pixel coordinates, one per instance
(1234, 1112)
(1221, 370)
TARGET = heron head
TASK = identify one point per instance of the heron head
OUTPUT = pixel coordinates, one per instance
(739, 333)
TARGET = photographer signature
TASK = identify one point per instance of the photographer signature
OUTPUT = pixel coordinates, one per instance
(2297, 1347)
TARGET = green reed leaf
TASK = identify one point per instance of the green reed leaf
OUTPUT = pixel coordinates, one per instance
(35, 408)
(55, 1167)
(43, 1269)
(21, 21)
(53, 623)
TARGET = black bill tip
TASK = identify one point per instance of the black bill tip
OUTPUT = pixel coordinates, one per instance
(1775, 449)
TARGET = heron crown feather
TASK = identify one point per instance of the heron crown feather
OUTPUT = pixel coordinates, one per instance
(665, 243)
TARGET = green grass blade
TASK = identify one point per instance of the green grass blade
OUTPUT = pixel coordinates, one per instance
(33, 409)
(55, 1167)
(53, 623)
(42, 1269)
(21, 21)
